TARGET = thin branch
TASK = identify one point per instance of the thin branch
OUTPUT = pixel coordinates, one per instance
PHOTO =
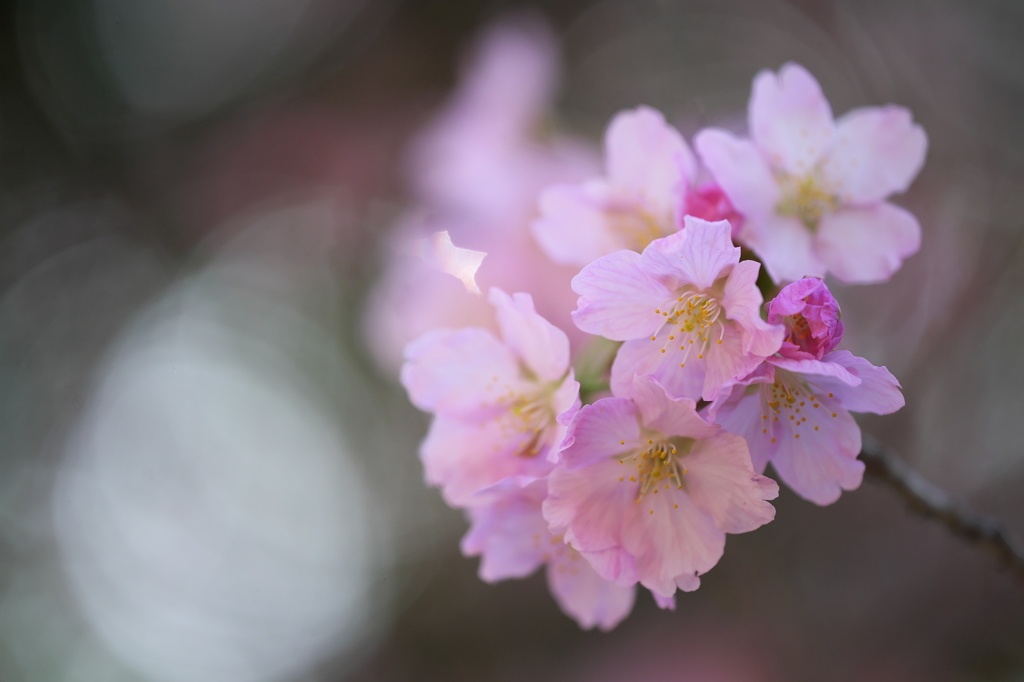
(932, 502)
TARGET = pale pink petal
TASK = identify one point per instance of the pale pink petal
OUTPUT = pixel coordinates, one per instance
(607, 428)
(878, 151)
(465, 458)
(721, 481)
(649, 157)
(510, 534)
(575, 227)
(701, 251)
(644, 356)
(878, 391)
(454, 371)
(822, 368)
(742, 302)
(727, 361)
(862, 245)
(618, 298)
(589, 506)
(665, 603)
(790, 119)
(740, 170)
(784, 245)
(585, 596)
(745, 413)
(671, 539)
(616, 563)
(541, 345)
(667, 415)
(818, 458)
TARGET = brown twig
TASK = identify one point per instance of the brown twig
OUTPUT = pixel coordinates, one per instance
(932, 502)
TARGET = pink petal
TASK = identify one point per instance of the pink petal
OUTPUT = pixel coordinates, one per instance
(589, 505)
(878, 151)
(666, 415)
(585, 596)
(784, 245)
(700, 252)
(819, 464)
(664, 603)
(618, 298)
(672, 541)
(878, 391)
(746, 414)
(740, 170)
(821, 368)
(574, 227)
(722, 482)
(644, 356)
(863, 245)
(742, 302)
(510, 534)
(650, 157)
(728, 361)
(541, 345)
(790, 119)
(605, 429)
(450, 371)
(465, 458)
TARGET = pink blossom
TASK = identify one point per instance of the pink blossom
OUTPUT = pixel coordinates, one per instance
(687, 308)
(648, 168)
(646, 490)
(811, 316)
(499, 405)
(812, 189)
(710, 203)
(794, 411)
(511, 537)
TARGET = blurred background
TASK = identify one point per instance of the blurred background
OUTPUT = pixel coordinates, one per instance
(207, 467)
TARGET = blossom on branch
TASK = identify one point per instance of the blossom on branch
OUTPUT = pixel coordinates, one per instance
(647, 489)
(687, 308)
(812, 189)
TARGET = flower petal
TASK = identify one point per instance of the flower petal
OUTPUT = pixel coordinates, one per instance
(667, 415)
(878, 151)
(672, 541)
(650, 157)
(790, 119)
(510, 534)
(465, 458)
(574, 227)
(541, 345)
(598, 431)
(740, 170)
(863, 245)
(784, 245)
(585, 596)
(722, 482)
(742, 302)
(745, 413)
(818, 459)
(699, 253)
(618, 298)
(878, 391)
(450, 371)
(823, 368)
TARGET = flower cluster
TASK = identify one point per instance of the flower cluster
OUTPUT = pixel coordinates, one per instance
(619, 452)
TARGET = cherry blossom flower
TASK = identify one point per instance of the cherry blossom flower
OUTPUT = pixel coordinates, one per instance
(648, 169)
(511, 537)
(794, 411)
(500, 405)
(687, 308)
(812, 189)
(647, 489)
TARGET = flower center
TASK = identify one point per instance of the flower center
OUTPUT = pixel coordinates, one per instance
(806, 199)
(657, 465)
(634, 224)
(527, 418)
(691, 318)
